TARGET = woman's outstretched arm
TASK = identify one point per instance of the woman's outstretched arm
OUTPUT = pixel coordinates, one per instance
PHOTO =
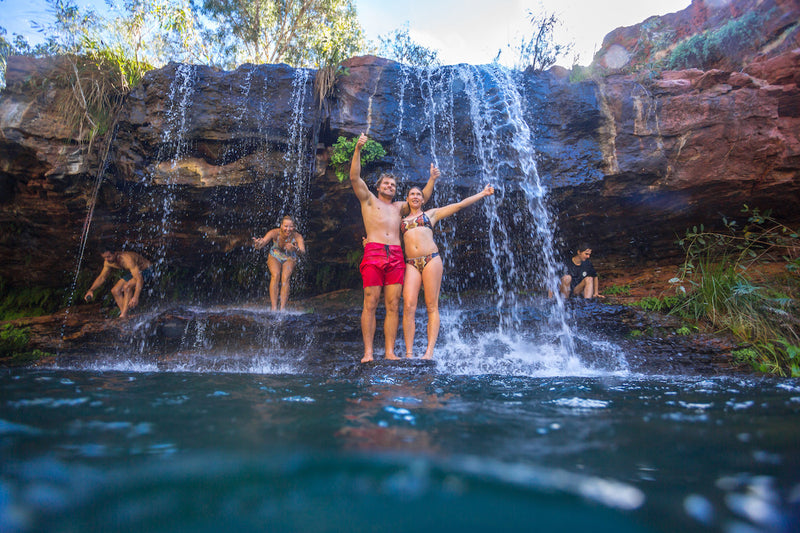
(450, 209)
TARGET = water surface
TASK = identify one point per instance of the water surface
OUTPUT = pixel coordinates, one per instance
(88, 450)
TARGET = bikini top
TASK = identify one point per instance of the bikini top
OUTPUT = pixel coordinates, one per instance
(421, 221)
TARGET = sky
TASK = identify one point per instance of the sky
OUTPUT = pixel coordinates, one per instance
(463, 31)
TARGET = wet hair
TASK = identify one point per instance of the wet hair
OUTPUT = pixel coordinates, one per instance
(583, 246)
(290, 218)
(411, 189)
(384, 176)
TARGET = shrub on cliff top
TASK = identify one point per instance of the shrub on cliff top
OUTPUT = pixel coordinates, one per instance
(728, 41)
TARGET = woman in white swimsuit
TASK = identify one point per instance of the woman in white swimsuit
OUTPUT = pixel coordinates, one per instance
(286, 243)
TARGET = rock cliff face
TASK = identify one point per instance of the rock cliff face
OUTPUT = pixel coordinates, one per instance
(202, 160)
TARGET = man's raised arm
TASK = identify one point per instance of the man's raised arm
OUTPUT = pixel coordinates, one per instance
(359, 186)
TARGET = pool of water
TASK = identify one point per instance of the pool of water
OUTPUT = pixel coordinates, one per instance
(420, 450)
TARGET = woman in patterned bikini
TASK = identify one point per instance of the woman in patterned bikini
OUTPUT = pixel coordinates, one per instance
(286, 243)
(423, 263)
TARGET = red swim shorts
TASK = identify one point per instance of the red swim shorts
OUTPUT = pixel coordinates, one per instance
(382, 265)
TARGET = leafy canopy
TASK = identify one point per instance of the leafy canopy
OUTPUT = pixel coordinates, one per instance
(301, 33)
(400, 47)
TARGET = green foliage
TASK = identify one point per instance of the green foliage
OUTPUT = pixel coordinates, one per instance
(325, 278)
(353, 258)
(765, 357)
(96, 85)
(762, 240)
(28, 301)
(18, 45)
(654, 36)
(102, 59)
(342, 154)
(400, 47)
(139, 32)
(580, 73)
(13, 344)
(703, 49)
(538, 51)
(138, 35)
(301, 33)
(615, 290)
(659, 304)
(717, 283)
(13, 340)
(6, 49)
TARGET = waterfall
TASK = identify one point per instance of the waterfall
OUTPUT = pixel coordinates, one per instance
(519, 233)
(172, 149)
(280, 184)
(298, 156)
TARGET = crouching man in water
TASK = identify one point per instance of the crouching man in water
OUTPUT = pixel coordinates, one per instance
(383, 265)
(580, 277)
(127, 290)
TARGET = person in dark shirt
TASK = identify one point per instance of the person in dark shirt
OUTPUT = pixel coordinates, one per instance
(580, 277)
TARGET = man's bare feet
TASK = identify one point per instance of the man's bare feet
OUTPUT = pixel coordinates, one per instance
(367, 358)
(392, 356)
(409, 355)
(428, 355)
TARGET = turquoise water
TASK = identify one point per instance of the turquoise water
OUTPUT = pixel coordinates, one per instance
(396, 451)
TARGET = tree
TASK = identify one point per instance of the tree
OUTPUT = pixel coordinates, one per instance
(302, 33)
(399, 46)
(539, 51)
(139, 33)
(153, 32)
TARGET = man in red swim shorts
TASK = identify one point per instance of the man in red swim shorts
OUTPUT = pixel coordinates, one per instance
(383, 264)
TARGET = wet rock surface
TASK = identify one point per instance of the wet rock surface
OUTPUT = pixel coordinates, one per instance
(323, 336)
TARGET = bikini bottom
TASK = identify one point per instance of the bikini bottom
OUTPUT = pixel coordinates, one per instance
(421, 262)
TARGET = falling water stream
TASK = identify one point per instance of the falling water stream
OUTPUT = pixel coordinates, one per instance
(174, 146)
(298, 157)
